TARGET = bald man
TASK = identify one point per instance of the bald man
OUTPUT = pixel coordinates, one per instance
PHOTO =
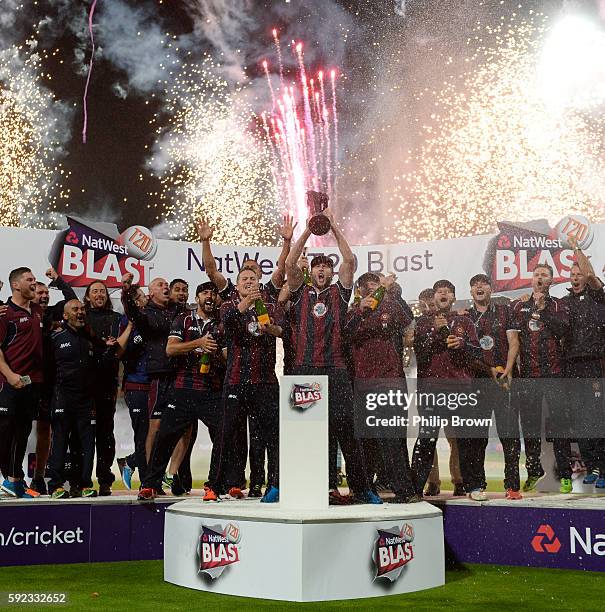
(153, 322)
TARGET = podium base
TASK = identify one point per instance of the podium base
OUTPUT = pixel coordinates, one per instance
(261, 550)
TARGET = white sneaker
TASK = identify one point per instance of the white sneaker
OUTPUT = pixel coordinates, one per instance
(478, 495)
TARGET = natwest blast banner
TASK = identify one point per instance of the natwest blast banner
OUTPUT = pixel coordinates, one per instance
(517, 249)
(88, 251)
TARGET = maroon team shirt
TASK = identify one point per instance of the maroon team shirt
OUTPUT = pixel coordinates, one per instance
(540, 353)
(435, 360)
(250, 353)
(21, 341)
(491, 327)
(317, 323)
(188, 327)
(374, 340)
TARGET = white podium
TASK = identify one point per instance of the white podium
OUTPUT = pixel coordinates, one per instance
(302, 549)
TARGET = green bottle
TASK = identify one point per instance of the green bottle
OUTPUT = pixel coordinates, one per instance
(205, 363)
(262, 314)
(307, 276)
(377, 297)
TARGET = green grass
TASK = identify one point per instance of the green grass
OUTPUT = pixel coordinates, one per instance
(139, 586)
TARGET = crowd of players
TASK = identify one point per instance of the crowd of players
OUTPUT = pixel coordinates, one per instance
(60, 364)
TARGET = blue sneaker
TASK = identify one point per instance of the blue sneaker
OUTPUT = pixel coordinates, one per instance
(271, 496)
(368, 497)
(14, 489)
(127, 476)
(18, 489)
(591, 477)
(600, 483)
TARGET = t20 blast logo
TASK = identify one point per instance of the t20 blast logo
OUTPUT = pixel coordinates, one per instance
(393, 550)
(303, 397)
(218, 548)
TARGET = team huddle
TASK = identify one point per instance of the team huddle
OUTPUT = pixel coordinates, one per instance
(60, 367)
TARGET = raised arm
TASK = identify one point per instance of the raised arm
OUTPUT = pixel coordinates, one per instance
(293, 272)
(286, 232)
(584, 264)
(59, 283)
(205, 234)
(347, 265)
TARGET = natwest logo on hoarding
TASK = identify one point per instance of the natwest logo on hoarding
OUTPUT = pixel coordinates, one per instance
(545, 540)
(582, 541)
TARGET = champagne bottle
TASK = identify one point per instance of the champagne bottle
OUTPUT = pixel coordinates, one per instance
(357, 298)
(307, 276)
(262, 314)
(444, 331)
(205, 363)
(377, 297)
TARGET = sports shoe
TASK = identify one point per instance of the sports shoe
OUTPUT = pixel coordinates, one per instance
(11, 488)
(255, 491)
(335, 498)
(405, 499)
(513, 494)
(159, 492)
(105, 490)
(459, 490)
(146, 494)
(566, 485)
(176, 487)
(30, 493)
(600, 483)
(38, 484)
(531, 483)
(167, 480)
(271, 496)
(127, 476)
(75, 492)
(60, 493)
(432, 490)
(235, 493)
(210, 495)
(478, 495)
(591, 477)
(89, 492)
(18, 489)
(367, 497)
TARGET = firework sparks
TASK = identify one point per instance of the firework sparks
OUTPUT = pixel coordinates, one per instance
(211, 162)
(30, 141)
(300, 128)
(497, 148)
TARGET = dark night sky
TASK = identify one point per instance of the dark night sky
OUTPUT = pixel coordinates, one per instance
(108, 167)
